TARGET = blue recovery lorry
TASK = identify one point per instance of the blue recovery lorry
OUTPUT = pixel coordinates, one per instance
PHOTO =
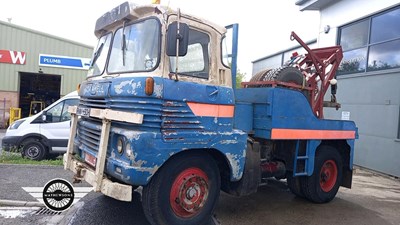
(159, 109)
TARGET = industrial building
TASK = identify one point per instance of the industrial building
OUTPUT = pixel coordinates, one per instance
(279, 58)
(37, 67)
(369, 75)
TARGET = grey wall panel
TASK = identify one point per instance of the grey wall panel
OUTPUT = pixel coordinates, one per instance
(373, 101)
(276, 60)
(269, 63)
(371, 89)
(372, 120)
(380, 154)
(33, 43)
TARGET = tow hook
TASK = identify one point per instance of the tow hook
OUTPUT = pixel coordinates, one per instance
(78, 177)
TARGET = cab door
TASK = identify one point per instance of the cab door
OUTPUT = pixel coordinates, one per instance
(56, 127)
(205, 101)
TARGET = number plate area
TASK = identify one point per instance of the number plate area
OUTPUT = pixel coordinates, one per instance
(90, 159)
(82, 111)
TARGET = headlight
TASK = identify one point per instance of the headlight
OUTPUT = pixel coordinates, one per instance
(16, 124)
(120, 145)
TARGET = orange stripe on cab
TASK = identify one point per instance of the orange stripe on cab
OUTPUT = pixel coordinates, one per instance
(297, 134)
(211, 110)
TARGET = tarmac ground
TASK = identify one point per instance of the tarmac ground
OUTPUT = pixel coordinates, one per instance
(373, 200)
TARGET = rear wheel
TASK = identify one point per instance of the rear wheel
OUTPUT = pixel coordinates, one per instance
(324, 184)
(184, 191)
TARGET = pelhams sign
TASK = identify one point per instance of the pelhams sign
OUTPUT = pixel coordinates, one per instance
(12, 57)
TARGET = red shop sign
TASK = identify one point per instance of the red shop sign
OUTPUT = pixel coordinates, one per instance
(12, 57)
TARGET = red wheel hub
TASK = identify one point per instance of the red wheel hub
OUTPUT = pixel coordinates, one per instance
(328, 175)
(189, 192)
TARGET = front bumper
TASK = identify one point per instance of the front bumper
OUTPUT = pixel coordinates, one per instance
(115, 190)
(97, 177)
(10, 143)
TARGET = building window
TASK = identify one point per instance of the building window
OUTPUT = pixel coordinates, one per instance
(371, 44)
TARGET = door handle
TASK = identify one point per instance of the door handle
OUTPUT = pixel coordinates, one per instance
(212, 92)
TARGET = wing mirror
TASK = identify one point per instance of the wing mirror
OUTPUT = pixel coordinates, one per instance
(47, 118)
(177, 34)
(44, 116)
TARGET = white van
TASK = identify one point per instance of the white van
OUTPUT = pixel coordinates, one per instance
(44, 135)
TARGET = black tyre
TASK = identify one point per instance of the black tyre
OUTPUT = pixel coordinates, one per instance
(323, 185)
(52, 156)
(289, 75)
(294, 184)
(183, 192)
(34, 149)
(284, 74)
(260, 76)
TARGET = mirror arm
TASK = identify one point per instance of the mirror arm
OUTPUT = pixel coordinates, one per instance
(178, 39)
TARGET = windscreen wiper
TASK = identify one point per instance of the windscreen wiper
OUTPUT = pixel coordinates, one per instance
(123, 44)
(97, 54)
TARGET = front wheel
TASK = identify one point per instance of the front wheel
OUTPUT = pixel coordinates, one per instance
(323, 185)
(183, 192)
(34, 149)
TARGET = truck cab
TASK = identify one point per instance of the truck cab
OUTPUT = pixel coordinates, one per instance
(145, 105)
(159, 110)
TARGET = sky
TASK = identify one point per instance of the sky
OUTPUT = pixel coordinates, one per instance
(264, 25)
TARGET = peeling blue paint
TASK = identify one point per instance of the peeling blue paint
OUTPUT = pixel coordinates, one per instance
(234, 161)
(130, 87)
(169, 126)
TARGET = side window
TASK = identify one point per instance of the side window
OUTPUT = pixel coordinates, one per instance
(196, 62)
(59, 112)
(65, 115)
(226, 60)
(54, 114)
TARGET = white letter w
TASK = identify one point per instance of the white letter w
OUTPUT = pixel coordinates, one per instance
(17, 56)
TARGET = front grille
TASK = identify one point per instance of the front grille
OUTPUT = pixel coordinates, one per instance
(89, 132)
(89, 129)
(99, 103)
(173, 119)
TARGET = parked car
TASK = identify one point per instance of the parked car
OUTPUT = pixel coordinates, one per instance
(44, 135)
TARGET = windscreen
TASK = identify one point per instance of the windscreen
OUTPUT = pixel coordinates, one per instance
(135, 47)
(100, 56)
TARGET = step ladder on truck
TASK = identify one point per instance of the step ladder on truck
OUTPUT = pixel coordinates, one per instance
(159, 109)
